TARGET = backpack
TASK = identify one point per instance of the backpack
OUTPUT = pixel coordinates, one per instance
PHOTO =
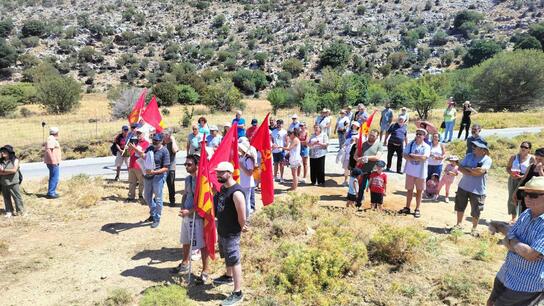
(114, 150)
(20, 175)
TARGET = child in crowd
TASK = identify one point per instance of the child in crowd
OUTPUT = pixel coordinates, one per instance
(450, 172)
(353, 187)
(431, 190)
(377, 185)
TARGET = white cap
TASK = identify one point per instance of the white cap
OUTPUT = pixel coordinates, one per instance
(294, 116)
(239, 112)
(356, 123)
(228, 124)
(213, 128)
(225, 166)
(244, 147)
(53, 130)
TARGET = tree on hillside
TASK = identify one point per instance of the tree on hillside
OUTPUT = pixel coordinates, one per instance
(167, 93)
(187, 94)
(59, 94)
(33, 27)
(337, 54)
(294, 66)
(278, 98)
(479, 51)
(511, 80)
(466, 22)
(537, 31)
(223, 96)
(6, 26)
(421, 96)
(123, 101)
(528, 43)
(8, 54)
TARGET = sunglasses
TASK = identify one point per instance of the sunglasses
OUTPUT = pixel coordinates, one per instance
(532, 195)
(188, 164)
(420, 134)
(524, 147)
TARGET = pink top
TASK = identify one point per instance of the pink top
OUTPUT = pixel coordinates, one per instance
(449, 178)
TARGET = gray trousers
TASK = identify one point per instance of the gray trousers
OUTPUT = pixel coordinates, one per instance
(10, 192)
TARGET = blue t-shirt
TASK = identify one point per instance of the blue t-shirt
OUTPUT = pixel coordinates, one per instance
(190, 188)
(398, 133)
(475, 184)
(161, 157)
(241, 130)
(517, 273)
(213, 141)
(387, 117)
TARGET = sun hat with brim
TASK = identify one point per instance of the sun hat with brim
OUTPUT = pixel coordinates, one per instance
(480, 144)
(424, 131)
(213, 128)
(225, 166)
(244, 147)
(294, 116)
(453, 158)
(356, 123)
(536, 184)
(53, 130)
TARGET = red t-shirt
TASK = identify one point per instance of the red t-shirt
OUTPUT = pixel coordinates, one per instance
(250, 131)
(143, 144)
(378, 182)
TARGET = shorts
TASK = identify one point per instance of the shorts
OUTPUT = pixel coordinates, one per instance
(304, 151)
(476, 202)
(198, 234)
(384, 127)
(295, 164)
(352, 197)
(501, 296)
(229, 249)
(278, 157)
(412, 181)
(376, 198)
(119, 160)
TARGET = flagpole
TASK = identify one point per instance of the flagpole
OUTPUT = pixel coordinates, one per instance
(191, 247)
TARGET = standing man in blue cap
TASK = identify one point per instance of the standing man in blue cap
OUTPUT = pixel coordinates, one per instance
(472, 186)
(154, 178)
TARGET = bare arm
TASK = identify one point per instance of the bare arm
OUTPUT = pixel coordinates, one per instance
(175, 147)
(509, 165)
(523, 250)
(240, 204)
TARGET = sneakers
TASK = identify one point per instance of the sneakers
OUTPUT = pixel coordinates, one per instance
(150, 219)
(116, 178)
(447, 199)
(202, 279)
(302, 181)
(8, 215)
(233, 299)
(52, 196)
(195, 255)
(155, 224)
(405, 210)
(223, 279)
(180, 269)
(417, 213)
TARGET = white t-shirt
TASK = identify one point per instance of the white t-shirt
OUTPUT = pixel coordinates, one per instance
(436, 151)
(417, 168)
(343, 124)
(326, 121)
(278, 137)
(245, 180)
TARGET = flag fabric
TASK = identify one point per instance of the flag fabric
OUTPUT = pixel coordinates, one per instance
(365, 128)
(261, 142)
(138, 108)
(152, 116)
(204, 201)
(227, 151)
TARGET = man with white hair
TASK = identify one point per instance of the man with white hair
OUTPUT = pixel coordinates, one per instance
(52, 157)
(341, 128)
(241, 124)
(295, 124)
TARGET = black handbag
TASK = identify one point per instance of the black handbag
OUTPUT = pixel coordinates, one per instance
(443, 125)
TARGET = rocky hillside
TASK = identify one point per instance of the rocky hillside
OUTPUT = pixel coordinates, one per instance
(105, 42)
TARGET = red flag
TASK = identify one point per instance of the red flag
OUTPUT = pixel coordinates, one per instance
(261, 142)
(227, 151)
(365, 128)
(152, 116)
(138, 108)
(204, 202)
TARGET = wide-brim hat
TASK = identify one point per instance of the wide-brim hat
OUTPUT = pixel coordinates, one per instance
(424, 131)
(356, 123)
(536, 184)
(8, 149)
(480, 144)
(243, 147)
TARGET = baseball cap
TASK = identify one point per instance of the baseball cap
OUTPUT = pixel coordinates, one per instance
(380, 163)
(125, 128)
(53, 130)
(157, 137)
(225, 166)
(213, 128)
(254, 122)
(482, 144)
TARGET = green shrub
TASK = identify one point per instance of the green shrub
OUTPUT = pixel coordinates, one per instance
(440, 38)
(466, 21)
(457, 285)
(479, 51)
(377, 94)
(59, 94)
(222, 96)
(118, 297)
(8, 104)
(292, 206)
(8, 54)
(537, 31)
(409, 40)
(498, 80)
(218, 21)
(278, 98)
(24, 93)
(33, 27)
(187, 94)
(167, 93)
(396, 245)
(249, 81)
(164, 295)
(528, 43)
(397, 59)
(293, 66)
(6, 26)
(337, 54)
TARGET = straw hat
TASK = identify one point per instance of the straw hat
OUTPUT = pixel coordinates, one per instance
(536, 184)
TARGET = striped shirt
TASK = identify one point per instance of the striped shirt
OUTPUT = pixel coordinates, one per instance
(517, 273)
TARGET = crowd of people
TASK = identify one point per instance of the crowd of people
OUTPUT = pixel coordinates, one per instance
(151, 162)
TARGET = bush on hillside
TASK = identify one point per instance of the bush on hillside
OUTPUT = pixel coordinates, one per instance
(421, 96)
(6, 26)
(294, 66)
(537, 31)
(511, 80)
(278, 98)
(223, 96)
(59, 94)
(466, 21)
(167, 93)
(8, 104)
(377, 94)
(24, 93)
(528, 43)
(479, 51)
(34, 27)
(8, 54)
(440, 38)
(337, 54)
(261, 58)
(249, 81)
(187, 95)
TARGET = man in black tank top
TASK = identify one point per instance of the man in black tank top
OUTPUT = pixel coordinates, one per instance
(230, 210)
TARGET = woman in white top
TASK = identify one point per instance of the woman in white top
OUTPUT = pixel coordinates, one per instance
(247, 165)
(318, 143)
(438, 153)
(516, 168)
(295, 160)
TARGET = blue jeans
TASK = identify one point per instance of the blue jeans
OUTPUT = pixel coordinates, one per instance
(153, 187)
(448, 133)
(434, 169)
(249, 194)
(54, 177)
(341, 139)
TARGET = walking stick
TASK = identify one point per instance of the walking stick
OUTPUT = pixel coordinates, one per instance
(43, 131)
(191, 248)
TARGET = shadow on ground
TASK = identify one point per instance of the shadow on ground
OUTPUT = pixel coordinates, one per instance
(150, 273)
(159, 256)
(116, 228)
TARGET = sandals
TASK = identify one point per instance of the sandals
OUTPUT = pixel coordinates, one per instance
(180, 269)
(405, 211)
(417, 214)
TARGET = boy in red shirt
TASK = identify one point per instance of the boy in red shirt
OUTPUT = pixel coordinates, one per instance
(378, 186)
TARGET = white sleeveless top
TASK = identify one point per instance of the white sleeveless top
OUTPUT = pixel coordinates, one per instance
(436, 151)
(294, 154)
(521, 166)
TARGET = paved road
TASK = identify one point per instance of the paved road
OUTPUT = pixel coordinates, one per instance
(104, 166)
